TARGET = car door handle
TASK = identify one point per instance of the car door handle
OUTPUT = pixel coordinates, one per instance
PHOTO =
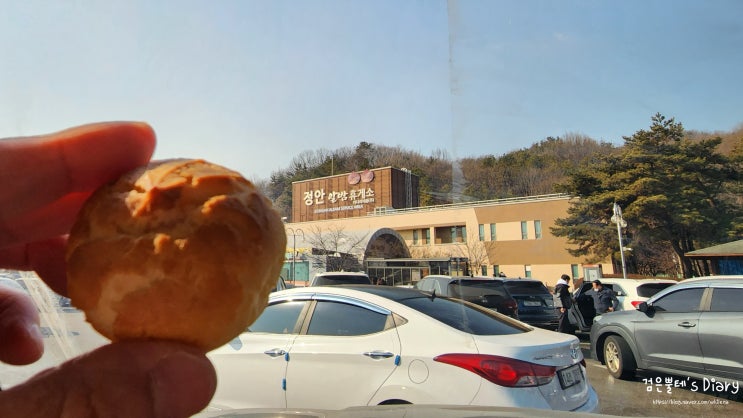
(377, 354)
(687, 324)
(275, 352)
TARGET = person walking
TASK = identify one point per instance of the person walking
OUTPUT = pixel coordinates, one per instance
(563, 292)
(604, 299)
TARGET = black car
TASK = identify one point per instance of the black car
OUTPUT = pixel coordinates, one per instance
(536, 305)
(483, 291)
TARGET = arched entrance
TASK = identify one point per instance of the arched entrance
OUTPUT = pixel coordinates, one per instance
(387, 257)
(386, 243)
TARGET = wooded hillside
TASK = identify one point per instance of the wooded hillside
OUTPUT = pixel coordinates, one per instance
(526, 172)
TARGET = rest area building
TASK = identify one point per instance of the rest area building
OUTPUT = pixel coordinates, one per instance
(370, 221)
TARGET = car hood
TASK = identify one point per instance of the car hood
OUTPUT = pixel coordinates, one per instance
(401, 411)
(619, 316)
(536, 346)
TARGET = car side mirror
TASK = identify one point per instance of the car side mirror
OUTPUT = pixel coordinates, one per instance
(645, 308)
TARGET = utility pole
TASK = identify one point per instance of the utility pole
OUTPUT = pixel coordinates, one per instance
(294, 232)
(621, 223)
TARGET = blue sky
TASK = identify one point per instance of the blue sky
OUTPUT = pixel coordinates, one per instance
(252, 84)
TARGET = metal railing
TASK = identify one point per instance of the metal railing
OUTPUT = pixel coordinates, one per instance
(504, 201)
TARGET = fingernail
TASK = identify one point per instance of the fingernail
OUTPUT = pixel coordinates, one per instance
(182, 384)
(34, 333)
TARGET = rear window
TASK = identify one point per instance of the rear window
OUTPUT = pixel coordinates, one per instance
(470, 288)
(465, 317)
(334, 280)
(527, 288)
(726, 300)
(650, 289)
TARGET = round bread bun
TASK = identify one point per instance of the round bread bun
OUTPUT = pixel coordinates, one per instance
(181, 250)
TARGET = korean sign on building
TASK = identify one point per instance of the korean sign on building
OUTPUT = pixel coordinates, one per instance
(353, 194)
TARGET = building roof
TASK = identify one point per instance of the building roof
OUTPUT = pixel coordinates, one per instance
(731, 249)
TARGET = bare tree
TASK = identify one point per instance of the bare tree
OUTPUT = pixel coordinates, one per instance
(333, 249)
(427, 252)
(476, 252)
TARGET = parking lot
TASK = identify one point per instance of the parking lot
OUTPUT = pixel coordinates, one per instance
(658, 395)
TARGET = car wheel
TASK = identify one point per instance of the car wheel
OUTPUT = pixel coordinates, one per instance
(618, 358)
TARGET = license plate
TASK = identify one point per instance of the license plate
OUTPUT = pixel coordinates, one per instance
(532, 303)
(570, 376)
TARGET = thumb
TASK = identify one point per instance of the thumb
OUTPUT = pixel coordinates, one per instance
(20, 338)
(125, 379)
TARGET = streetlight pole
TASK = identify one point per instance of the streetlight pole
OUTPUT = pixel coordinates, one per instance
(621, 223)
(294, 232)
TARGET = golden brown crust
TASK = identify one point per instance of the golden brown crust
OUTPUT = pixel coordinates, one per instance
(180, 249)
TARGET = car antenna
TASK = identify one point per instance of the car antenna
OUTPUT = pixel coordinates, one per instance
(433, 294)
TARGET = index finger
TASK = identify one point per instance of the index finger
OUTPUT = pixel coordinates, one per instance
(37, 171)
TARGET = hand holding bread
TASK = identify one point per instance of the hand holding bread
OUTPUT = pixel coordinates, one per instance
(179, 250)
(46, 180)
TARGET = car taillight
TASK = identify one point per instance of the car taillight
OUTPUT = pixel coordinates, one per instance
(502, 371)
(635, 303)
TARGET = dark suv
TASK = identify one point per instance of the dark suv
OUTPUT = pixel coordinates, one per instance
(536, 305)
(484, 291)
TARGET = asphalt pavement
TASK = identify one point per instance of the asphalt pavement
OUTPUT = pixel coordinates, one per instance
(660, 395)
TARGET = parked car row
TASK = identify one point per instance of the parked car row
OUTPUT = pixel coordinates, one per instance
(371, 345)
(693, 328)
(485, 292)
(525, 299)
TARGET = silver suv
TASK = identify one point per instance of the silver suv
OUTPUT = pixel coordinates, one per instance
(692, 328)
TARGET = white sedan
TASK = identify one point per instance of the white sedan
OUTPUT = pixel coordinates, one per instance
(342, 346)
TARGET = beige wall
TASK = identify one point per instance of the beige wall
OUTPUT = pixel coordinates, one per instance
(546, 257)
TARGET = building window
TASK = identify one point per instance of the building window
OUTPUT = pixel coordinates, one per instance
(527, 271)
(524, 230)
(492, 232)
(538, 229)
(481, 230)
(415, 237)
(450, 234)
(484, 270)
(574, 268)
(427, 236)
(458, 234)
